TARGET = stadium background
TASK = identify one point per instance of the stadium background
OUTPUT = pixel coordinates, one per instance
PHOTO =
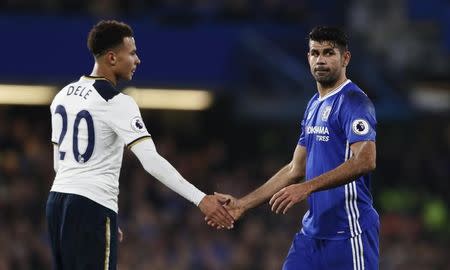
(250, 56)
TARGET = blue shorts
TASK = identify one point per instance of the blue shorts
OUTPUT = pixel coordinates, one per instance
(83, 233)
(358, 253)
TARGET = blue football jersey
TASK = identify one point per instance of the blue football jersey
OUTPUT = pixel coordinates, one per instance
(329, 126)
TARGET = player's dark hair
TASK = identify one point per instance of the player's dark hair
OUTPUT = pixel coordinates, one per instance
(331, 34)
(106, 35)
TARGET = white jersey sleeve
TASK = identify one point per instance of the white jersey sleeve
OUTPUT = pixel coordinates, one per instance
(57, 125)
(162, 170)
(125, 119)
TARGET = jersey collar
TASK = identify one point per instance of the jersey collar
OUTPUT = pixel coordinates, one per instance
(334, 91)
(89, 77)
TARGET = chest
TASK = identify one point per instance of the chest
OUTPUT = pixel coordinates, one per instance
(321, 123)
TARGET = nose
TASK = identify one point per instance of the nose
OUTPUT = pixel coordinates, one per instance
(320, 60)
(138, 61)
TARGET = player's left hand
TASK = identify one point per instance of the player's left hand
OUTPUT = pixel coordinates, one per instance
(120, 235)
(288, 196)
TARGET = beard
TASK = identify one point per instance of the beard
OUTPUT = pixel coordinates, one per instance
(326, 80)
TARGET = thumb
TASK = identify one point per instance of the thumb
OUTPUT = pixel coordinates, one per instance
(224, 200)
(221, 195)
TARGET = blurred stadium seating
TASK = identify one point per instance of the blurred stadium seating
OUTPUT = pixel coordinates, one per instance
(250, 56)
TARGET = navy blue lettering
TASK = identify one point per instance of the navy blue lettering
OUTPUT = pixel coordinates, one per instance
(80, 157)
(70, 90)
(87, 93)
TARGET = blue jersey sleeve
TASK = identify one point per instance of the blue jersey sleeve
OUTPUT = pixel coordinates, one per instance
(301, 140)
(357, 116)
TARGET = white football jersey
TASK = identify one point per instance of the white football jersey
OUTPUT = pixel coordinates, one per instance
(91, 124)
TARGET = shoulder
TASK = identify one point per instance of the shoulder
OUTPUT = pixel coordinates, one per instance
(353, 95)
(122, 105)
(60, 95)
(313, 98)
(123, 100)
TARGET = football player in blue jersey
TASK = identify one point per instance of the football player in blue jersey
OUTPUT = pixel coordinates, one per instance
(92, 122)
(335, 154)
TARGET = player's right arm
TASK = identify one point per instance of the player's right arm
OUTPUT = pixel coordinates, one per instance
(162, 170)
(290, 173)
(125, 119)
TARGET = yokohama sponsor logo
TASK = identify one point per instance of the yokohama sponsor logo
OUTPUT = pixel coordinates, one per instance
(322, 130)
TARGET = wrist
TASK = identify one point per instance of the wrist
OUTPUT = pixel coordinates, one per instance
(199, 199)
(243, 204)
(310, 186)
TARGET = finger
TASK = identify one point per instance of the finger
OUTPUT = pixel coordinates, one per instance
(225, 217)
(212, 224)
(225, 214)
(277, 201)
(228, 216)
(221, 194)
(223, 201)
(276, 195)
(211, 220)
(290, 204)
(219, 221)
(216, 218)
(282, 205)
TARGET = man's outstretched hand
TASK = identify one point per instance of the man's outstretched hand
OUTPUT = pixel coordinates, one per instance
(232, 205)
(212, 207)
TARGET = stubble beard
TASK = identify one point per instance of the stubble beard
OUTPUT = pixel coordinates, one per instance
(326, 81)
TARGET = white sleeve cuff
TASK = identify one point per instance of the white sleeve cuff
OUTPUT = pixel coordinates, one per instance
(162, 170)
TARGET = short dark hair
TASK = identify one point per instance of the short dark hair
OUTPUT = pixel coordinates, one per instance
(332, 34)
(106, 35)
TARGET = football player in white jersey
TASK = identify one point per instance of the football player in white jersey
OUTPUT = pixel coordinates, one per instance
(91, 123)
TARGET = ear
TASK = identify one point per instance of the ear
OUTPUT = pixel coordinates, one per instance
(111, 58)
(347, 56)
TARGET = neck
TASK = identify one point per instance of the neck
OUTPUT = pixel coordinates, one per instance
(326, 89)
(101, 71)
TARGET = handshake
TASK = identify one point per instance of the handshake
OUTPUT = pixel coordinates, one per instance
(221, 210)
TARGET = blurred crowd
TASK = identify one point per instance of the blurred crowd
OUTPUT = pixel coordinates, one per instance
(169, 11)
(164, 231)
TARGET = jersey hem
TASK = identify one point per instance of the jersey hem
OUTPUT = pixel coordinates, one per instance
(91, 197)
(364, 227)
